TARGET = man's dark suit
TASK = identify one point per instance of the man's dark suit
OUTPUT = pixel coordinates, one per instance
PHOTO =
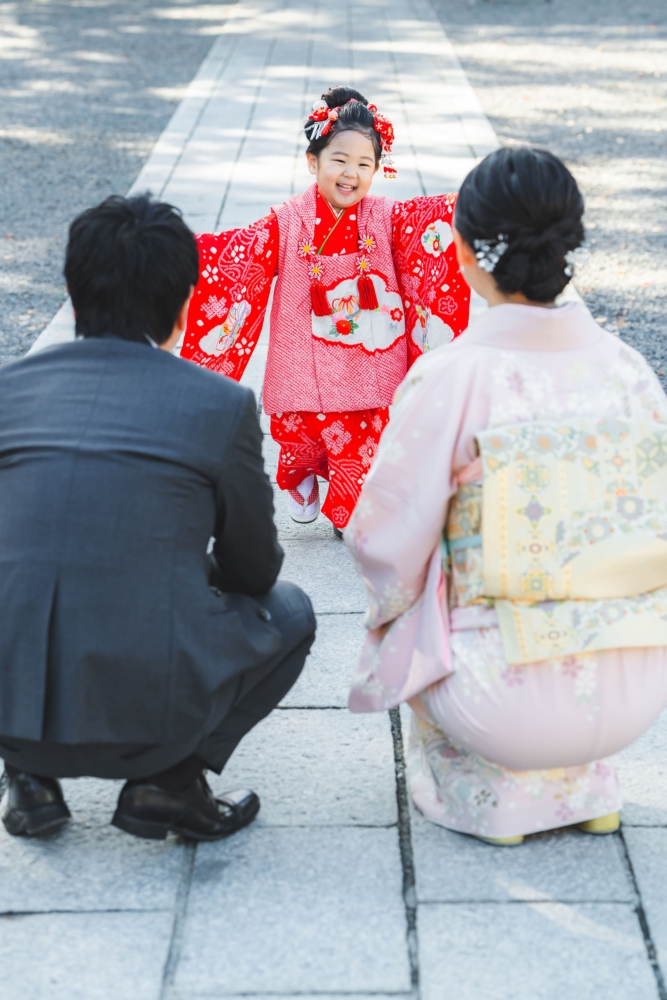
(118, 463)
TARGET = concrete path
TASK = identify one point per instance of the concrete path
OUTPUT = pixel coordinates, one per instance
(339, 889)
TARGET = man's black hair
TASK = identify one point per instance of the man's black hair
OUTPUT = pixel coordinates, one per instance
(130, 264)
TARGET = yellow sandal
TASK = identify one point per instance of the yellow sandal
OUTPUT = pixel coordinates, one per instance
(503, 841)
(603, 824)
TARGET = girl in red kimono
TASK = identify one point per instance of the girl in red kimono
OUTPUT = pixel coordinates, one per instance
(364, 286)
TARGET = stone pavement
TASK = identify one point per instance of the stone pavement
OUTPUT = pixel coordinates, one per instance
(339, 889)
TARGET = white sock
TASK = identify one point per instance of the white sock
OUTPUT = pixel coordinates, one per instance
(305, 487)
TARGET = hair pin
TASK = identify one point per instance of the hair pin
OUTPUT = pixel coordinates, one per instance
(490, 250)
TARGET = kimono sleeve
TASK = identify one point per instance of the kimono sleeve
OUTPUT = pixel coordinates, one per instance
(436, 296)
(227, 310)
(399, 518)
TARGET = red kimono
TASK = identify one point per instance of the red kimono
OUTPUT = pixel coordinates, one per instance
(330, 376)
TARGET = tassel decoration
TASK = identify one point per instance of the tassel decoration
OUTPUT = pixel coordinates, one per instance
(319, 299)
(367, 297)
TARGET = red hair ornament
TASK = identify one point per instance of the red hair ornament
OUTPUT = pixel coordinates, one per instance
(385, 130)
(322, 117)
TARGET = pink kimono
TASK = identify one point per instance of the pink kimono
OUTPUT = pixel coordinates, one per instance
(494, 749)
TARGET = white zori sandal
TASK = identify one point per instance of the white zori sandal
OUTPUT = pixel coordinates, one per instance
(303, 503)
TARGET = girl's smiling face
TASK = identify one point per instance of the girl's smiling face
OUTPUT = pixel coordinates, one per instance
(345, 168)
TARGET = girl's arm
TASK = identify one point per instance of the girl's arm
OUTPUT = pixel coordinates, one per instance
(226, 314)
(436, 296)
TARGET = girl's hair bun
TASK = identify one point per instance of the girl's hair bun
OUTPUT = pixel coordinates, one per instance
(522, 210)
(353, 116)
(336, 97)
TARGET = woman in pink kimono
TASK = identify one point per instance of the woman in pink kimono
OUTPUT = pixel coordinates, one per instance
(512, 534)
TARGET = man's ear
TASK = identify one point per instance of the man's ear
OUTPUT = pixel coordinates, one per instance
(179, 325)
(182, 318)
(312, 163)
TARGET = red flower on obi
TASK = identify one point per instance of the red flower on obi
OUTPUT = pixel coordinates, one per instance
(397, 315)
(343, 327)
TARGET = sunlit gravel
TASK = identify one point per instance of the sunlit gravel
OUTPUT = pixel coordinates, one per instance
(588, 80)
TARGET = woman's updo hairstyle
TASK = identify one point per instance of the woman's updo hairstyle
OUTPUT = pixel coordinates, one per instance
(352, 117)
(520, 210)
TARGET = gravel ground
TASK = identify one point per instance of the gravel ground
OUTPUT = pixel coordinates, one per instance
(86, 87)
(588, 80)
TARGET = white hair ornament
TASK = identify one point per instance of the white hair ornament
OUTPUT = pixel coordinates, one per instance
(489, 251)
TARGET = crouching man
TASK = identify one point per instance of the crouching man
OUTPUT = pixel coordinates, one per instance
(125, 650)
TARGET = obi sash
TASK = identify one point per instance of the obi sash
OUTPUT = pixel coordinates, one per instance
(566, 536)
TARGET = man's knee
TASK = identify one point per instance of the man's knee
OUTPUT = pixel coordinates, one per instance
(291, 612)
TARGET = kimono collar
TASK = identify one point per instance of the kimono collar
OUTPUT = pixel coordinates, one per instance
(306, 206)
(533, 328)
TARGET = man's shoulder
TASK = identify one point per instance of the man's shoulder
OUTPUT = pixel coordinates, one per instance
(157, 389)
(202, 379)
(130, 356)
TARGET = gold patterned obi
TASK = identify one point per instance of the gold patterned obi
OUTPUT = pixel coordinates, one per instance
(566, 535)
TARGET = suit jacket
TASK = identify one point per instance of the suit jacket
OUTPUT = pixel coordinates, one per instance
(118, 463)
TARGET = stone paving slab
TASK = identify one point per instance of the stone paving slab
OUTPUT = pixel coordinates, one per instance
(326, 572)
(549, 951)
(325, 767)
(88, 865)
(84, 956)
(302, 996)
(565, 865)
(642, 768)
(326, 677)
(648, 849)
(291, 911)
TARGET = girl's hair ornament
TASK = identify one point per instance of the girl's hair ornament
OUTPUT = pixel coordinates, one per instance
(385, 130)
(322, 119)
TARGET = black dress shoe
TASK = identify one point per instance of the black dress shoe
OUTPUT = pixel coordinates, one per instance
(34, 806)
(148, 811)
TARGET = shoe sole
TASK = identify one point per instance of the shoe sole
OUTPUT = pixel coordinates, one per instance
(302, 519)
(35, 824)
(159, 831)
(502, 841)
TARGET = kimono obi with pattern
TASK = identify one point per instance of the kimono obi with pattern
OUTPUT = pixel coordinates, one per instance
(566, 536)
(354, 358)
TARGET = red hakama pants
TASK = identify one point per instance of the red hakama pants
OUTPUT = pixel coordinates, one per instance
(339, 447)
